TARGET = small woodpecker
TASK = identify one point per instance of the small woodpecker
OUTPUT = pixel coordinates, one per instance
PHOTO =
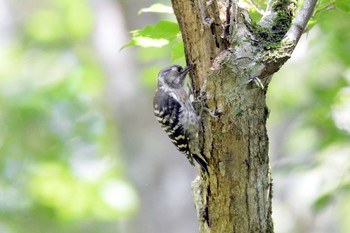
(176, 114)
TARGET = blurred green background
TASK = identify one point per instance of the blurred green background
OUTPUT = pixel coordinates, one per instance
(80, 150)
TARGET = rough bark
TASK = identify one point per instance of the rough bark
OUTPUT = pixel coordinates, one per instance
(231, 54)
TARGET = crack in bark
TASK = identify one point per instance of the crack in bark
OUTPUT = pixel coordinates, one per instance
(249, 172)
(259, 201)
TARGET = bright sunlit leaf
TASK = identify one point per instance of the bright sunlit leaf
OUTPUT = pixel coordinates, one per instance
(157, 35)
(162, 30)
(147, 42)
(157, 8)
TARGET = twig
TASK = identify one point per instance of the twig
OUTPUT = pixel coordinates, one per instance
(299, 23)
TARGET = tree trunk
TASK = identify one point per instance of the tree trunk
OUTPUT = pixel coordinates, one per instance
(234, 61)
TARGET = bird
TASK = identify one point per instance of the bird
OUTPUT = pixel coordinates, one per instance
(175, 112)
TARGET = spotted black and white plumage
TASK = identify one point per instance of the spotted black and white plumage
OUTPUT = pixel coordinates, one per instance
(175, 113)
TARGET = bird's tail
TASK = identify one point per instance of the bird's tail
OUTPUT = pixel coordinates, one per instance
(201, 161)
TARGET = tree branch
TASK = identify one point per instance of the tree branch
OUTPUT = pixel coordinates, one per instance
(299, 23)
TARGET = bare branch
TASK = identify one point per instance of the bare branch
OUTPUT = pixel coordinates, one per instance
(299, 23)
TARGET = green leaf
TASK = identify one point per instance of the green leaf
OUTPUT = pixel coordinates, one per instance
(177, 51)
(146, 42)
(325, 199)
(343, 5)
(322, 201)
(157, 8)
(164, 32)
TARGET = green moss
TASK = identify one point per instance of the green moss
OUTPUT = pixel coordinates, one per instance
(285, 10)
(270, 38)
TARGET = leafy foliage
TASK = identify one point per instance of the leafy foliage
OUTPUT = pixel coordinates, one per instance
(155, 42)
(157, 8)
(326, 198)
(57, 162)
(159, 35)
(164, 32)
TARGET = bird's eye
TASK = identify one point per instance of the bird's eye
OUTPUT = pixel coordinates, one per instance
(177, 68)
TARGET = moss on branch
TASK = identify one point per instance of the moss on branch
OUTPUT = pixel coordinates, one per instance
(270, 37)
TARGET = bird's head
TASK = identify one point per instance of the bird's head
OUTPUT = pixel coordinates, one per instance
(173, 76)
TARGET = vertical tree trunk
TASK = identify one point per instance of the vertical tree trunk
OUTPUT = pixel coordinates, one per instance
(234, 60)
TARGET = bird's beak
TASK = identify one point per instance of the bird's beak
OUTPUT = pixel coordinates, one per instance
(187, 69)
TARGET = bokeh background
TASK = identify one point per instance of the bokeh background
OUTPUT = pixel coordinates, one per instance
(80, 150)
